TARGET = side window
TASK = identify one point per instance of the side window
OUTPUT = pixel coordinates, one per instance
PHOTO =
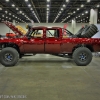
(52, 33)
(37, 33)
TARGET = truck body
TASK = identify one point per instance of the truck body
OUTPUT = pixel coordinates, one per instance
(48, 41)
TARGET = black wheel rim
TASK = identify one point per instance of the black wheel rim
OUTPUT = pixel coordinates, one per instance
(83, 57)
(8, 57)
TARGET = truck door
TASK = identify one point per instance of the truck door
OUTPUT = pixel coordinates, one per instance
(34, 44)
(52, 41)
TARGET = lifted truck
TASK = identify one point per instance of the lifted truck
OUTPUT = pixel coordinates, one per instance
(51, 41)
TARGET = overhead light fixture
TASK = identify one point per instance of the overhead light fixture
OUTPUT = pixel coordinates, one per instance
(29, 5)
(9, 13)
(26, 0)
(86, 12)
(67, 0)
(88, 0)
(3, 16)
(0, 8)
(48, 5)
(17, 9)
(6, 12)
(62, 9)
(82, 5)
(78, 9)
(64, 5)
(82, 14)
(74, 12)
(48, 0)
(31, 8)
(20, 11)
(47, 8)
(13, 5)
(59, 12)
(32, 11)
(98, 5)
(7, 0)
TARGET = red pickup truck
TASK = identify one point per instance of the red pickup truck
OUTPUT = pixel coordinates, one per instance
(51, 41)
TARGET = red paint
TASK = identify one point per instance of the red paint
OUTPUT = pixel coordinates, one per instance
(50, 44)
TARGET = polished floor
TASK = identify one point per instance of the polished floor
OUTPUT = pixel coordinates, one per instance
(46, 77)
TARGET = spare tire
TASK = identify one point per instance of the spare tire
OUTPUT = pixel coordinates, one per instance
(78, 34)
(89, 31)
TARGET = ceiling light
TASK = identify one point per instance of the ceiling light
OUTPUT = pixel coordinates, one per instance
(13, 5)
(62, 9)
(59, 12)
(0, 8)
(47, 8)
(2, 15)
(48, 0)
(26, 0)
(29, 5)
(88, 0)
(78, 9)
(17, 9)
(6, 11)
(31, 8)
(86, 12)
(20, 11)
(64, 5)
(67, 0)
(9, 13)
(98, 5)
(7, 0)
(82, 14)
(74, 12)
(48, 5)
(82, 5)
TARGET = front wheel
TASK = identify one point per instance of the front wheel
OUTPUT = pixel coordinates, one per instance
(9, 56)
(82, 56)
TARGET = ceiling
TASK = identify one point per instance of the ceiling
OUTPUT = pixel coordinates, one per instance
(48, 11)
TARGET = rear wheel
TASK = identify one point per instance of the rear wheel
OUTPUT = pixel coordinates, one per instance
(9, 56)
(82, 56)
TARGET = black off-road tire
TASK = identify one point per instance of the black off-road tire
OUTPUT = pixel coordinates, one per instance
(89, 31)
(82, 56)
(78, 34)
(9, 56)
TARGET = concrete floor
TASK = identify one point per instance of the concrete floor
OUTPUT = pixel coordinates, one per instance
(46, 77)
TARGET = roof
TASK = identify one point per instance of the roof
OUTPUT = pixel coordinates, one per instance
(48, 11)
